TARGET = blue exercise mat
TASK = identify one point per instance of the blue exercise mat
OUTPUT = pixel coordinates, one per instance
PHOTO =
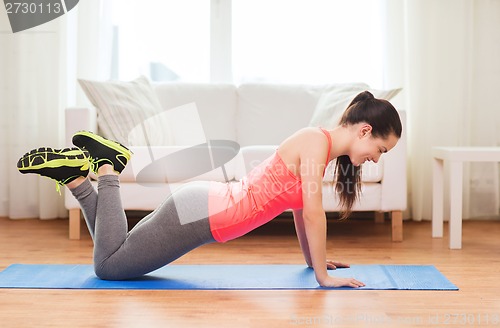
(218, 277)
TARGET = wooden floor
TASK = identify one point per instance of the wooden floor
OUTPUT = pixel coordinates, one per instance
(475, 270)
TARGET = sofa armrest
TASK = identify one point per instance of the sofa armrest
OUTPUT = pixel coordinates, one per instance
(394, 181)
(77, 119)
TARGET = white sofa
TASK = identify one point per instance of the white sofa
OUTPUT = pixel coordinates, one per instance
(257, 117)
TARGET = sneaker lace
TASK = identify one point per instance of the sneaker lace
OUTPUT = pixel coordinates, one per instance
(93, 165)
(61, 183)
(58, 186)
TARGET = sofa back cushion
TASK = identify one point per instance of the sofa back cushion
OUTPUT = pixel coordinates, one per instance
(269, 113)
(215, 104)
(128, 112)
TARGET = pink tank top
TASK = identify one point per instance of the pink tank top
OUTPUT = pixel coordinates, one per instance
(268, 190)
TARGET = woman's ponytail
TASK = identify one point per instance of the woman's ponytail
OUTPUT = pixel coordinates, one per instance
(348, 183)
(384, 119)
(348, 176)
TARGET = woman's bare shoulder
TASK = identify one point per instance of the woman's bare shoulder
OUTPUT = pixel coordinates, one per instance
(305, 138)
(307, 142)
(306, 134)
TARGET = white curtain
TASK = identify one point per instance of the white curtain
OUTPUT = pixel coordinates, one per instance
(38, 70)
(445, 55)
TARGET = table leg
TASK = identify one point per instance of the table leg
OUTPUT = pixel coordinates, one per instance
(74, 223)
(456, 177)
(437, 197)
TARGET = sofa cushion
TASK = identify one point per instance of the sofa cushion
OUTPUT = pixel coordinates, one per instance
(215, 104)
(159, 164)
(128, 112)
(332, 103)
(269, 113)
(369, 199)
(250, 157)
(370, 171)
(186, 125)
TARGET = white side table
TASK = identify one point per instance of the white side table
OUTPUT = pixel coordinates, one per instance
(456, 156)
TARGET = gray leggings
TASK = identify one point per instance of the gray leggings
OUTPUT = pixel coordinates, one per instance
(176, 227)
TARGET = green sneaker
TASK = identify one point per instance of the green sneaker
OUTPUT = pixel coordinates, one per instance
(61, 165)
(102, 151)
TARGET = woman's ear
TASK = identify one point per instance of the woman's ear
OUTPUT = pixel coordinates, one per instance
(365, 130)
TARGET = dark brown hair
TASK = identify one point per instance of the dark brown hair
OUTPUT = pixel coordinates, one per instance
(384, 119)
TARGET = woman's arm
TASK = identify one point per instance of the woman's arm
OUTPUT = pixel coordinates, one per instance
(315, 235)
(312, 163)
(315, 231)
(304, 245)
(301, 235)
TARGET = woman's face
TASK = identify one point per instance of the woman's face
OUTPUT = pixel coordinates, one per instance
(368, 148)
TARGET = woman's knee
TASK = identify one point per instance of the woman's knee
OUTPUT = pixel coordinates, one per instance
(105, 272)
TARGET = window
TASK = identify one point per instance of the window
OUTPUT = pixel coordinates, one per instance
(307, 41)
(162, 39)
(290, 41)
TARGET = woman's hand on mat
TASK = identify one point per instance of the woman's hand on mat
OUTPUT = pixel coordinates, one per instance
(332, 265)
(330, 281)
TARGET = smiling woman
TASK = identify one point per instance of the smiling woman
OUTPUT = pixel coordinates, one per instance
(201, 212)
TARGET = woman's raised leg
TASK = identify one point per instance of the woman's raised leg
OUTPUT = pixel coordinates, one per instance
(176, 227)
(179, 225)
